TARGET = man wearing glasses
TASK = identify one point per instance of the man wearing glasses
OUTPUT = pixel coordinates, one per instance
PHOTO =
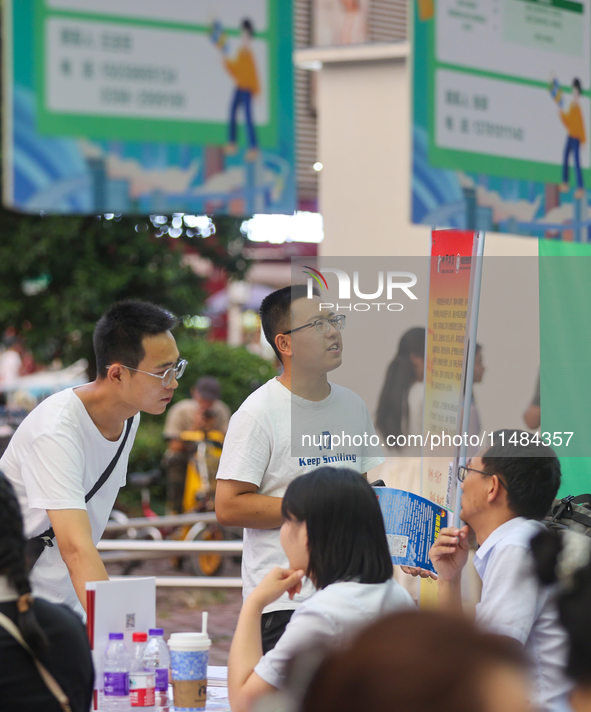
(505, 492)
(68, 458)
(261, 457)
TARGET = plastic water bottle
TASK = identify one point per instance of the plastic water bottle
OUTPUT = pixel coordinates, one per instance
(141, 676)
(158, 655)
(116, 675)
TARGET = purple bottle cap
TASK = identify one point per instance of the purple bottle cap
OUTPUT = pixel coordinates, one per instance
(115, 636)
(156, 631)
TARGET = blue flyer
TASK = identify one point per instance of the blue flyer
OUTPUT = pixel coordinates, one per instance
(412, 525)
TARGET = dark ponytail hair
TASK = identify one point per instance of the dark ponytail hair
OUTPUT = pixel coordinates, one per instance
(392, 415)
(12, 565)
(564, 557)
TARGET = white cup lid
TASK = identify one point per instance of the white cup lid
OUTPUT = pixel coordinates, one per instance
(189, 641)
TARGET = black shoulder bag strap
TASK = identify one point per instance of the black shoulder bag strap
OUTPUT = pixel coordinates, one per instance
(35, 546)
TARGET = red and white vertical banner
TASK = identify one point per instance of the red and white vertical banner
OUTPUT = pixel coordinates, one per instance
(454, 293)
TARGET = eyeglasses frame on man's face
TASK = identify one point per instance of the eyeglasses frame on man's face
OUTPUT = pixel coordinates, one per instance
(338, 322)
(174, 372)
(463, 470)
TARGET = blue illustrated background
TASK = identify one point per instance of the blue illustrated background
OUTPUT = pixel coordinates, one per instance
(475, 201)
(87, 175)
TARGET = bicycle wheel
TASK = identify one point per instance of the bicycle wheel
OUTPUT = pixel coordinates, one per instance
(207, 564)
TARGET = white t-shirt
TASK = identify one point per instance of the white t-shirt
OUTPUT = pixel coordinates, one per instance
(258, 449)
(54, 458)
(329, 619)
(515, 604)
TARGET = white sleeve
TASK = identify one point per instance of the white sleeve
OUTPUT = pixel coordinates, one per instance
(307, 629)
(246, 452)
(509, 594)
(52, 473)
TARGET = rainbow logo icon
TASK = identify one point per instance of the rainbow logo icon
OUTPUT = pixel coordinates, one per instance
(317, 276)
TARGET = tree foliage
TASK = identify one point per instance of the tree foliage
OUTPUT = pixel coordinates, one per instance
(58, 274)
(238, 371)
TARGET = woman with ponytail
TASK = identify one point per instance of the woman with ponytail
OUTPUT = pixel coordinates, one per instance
(400, 408)
(400, 414)
(563, 559)
(54, 634)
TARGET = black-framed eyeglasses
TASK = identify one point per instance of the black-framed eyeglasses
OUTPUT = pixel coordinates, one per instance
(463, 473)
(174, 372)
(323, 325)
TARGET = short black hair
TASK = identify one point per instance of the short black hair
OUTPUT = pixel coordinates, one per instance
(275, 311)
(247, 26)
(577, 84)
(530, 472)
(119, 332)
(346, 534)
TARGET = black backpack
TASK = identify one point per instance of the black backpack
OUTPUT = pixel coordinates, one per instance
(573, 513)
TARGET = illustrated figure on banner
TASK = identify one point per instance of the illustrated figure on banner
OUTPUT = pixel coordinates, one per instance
(576, 137)
(243, 70)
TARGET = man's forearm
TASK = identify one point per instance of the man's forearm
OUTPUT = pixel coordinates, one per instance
(449, 596)
(251, 510)
(85, 565)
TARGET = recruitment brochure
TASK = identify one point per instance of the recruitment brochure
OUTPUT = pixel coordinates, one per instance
(412, 525)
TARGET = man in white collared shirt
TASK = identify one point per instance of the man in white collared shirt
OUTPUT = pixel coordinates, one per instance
(505, 490)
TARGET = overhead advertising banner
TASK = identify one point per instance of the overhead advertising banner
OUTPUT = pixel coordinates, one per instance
(502, 116)
(148, 107)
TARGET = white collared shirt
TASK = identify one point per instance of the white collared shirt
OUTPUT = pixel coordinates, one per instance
(515, 604)
(329, 619)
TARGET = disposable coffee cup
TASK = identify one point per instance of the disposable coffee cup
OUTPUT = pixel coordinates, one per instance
(189, 656)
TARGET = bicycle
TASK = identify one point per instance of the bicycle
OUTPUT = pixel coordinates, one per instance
(205, 447)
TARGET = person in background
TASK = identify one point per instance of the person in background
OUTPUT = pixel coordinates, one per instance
(203, 411)
(421, 661)
(475, 426)
(533, 414)
(400, 406)
(400, 413)
(53, 632)
(10, 359)
(61, 450)
(332, 532)
(504, 491)
(563, 560)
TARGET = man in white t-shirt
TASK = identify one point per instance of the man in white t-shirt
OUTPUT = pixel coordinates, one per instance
(62, 448)
(505, 490)
(289, 426)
